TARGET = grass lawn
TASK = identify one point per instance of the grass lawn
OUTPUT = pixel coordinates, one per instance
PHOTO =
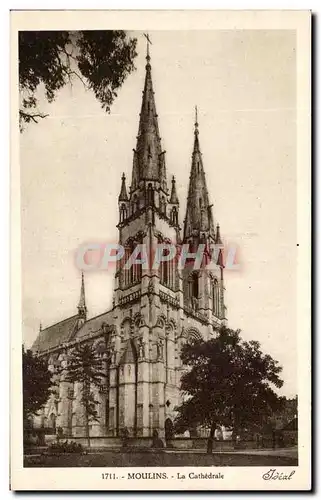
(111, 458)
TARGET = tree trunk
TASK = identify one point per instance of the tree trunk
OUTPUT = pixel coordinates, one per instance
(87, 428)
(234, 436)
(211, 438)
(85, 397)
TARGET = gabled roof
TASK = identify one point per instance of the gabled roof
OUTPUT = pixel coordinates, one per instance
(94, 325)
(67, 330)
(56, 334)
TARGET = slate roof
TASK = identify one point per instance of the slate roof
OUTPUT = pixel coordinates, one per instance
(55, 334)
(93, 325)
(66, 330)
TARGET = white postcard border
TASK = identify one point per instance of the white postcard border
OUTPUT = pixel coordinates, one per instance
(235, 478)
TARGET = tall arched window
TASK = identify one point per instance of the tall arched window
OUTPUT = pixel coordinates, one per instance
(193, 290)
(123, 212)
(174, 216)
(165, 273)
(131, 271)
(135, 205)
(128, 273)
(150, 195)
(136, 268)
(195, 285)
(52, 421)
(167, 269)
(162, 206)
(216, 298)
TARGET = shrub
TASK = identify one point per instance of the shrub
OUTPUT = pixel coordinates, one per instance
(157, 442)
(65, 447)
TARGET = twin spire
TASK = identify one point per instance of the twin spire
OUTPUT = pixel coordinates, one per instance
(199, 218)
(149, 159)
(149, 165)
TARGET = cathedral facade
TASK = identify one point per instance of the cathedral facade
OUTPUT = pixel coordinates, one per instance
(155, 310)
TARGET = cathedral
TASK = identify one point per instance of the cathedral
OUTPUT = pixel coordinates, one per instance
(154, 311)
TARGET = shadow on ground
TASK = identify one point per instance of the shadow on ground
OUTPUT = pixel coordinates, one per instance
(155, 459)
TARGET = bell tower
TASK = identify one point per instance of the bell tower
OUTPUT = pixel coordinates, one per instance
(147, 292)
(204, 287)
(158, 303)
(148, 215)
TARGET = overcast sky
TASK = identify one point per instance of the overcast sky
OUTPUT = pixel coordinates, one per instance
(71, 163)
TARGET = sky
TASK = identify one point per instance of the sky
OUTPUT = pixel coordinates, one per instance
(244, 84)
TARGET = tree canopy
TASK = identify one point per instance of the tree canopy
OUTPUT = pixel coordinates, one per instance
(37, 383)
(228, 381)
(85, 366)
(284, 414)
(100, 59)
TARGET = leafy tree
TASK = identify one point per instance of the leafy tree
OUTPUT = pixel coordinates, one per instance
(85, 367)
(228, 381)
(100, 59)
(287, 411)
(37, 382)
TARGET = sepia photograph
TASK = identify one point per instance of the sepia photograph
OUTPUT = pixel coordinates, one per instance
(158, 208)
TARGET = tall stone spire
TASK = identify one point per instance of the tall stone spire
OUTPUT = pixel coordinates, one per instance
(82, 309)
(149, 159)
(199, 218)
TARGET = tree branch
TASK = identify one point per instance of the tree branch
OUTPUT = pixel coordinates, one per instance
(66, 68)
(31, 116)
(68, 54)
(28, 117)
(72, 72)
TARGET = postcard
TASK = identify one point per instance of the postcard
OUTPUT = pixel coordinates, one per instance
(160, 250)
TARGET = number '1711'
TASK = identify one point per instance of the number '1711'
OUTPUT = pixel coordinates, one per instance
(108, 475)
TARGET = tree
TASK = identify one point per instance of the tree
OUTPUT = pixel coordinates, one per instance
(228, 381)
(101, 60)
(285, 413)
(85, 367)
(37, 383)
